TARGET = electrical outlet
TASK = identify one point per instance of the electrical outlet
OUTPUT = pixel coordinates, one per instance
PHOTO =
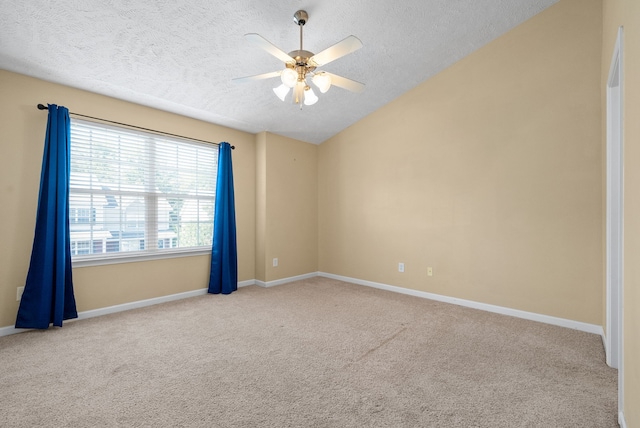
(275, 262)
(429, 271)
(400, 267)
(19, 293)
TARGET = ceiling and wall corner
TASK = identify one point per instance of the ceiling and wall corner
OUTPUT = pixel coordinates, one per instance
(181, 57)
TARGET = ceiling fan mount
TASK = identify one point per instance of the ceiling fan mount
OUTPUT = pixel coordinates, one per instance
(300, 17)
(301, 63)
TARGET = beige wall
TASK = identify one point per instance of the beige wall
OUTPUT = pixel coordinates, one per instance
(287, 204)
(490, 173)
(626, 13)
(22, 139)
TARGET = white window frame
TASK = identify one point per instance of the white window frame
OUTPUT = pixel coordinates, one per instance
(150, 216)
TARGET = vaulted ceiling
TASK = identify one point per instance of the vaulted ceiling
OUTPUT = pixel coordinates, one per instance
(182, 56)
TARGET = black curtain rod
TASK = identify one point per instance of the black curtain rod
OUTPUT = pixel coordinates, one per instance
(44, 107)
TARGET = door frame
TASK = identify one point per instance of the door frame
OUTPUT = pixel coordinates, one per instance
(615, 219)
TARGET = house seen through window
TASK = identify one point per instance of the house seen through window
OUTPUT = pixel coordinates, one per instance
(135, 193)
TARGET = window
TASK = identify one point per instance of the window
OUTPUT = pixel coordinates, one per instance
(82, 215)
(138, 194)
(80, 247)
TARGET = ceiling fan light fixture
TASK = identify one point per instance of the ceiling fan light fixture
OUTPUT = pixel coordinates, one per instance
(281, 91)
(301, 64)
(310, 97)
(322, 81)
(289, 77)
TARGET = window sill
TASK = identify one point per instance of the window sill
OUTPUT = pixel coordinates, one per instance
(80, 261)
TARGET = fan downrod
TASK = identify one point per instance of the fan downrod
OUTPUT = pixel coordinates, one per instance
(301, 56)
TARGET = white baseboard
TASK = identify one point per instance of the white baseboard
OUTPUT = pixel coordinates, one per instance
(561, 322)
(286, 280)
(139, 304)
(621, 421)
(246, 283)
(5, 331)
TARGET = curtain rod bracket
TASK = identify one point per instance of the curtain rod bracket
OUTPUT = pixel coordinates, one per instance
(44, 107)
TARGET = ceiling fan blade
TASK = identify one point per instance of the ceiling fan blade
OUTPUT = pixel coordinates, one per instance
(257, 77)
(265, 44)
(344, 83)
(340, 49)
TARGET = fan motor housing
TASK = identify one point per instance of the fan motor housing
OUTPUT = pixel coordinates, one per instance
(302, 58)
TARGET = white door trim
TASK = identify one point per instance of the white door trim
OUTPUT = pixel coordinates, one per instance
(615, 218)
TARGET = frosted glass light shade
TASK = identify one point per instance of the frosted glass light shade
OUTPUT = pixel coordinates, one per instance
(322, 81)
(289, 77)
(310, 97)
(281, 91)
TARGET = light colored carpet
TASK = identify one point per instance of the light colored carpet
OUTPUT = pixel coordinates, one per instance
(314, 353)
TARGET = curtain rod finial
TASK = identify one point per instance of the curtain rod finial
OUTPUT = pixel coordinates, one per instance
(42, 107)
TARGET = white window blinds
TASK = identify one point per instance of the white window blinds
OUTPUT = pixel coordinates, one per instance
(133, 192)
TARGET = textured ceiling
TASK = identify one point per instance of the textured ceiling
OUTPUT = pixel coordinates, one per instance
(180, 56)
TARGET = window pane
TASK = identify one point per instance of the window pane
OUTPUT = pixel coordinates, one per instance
(193, 223)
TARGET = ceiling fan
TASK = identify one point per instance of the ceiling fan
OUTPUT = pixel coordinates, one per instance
(301, 64)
